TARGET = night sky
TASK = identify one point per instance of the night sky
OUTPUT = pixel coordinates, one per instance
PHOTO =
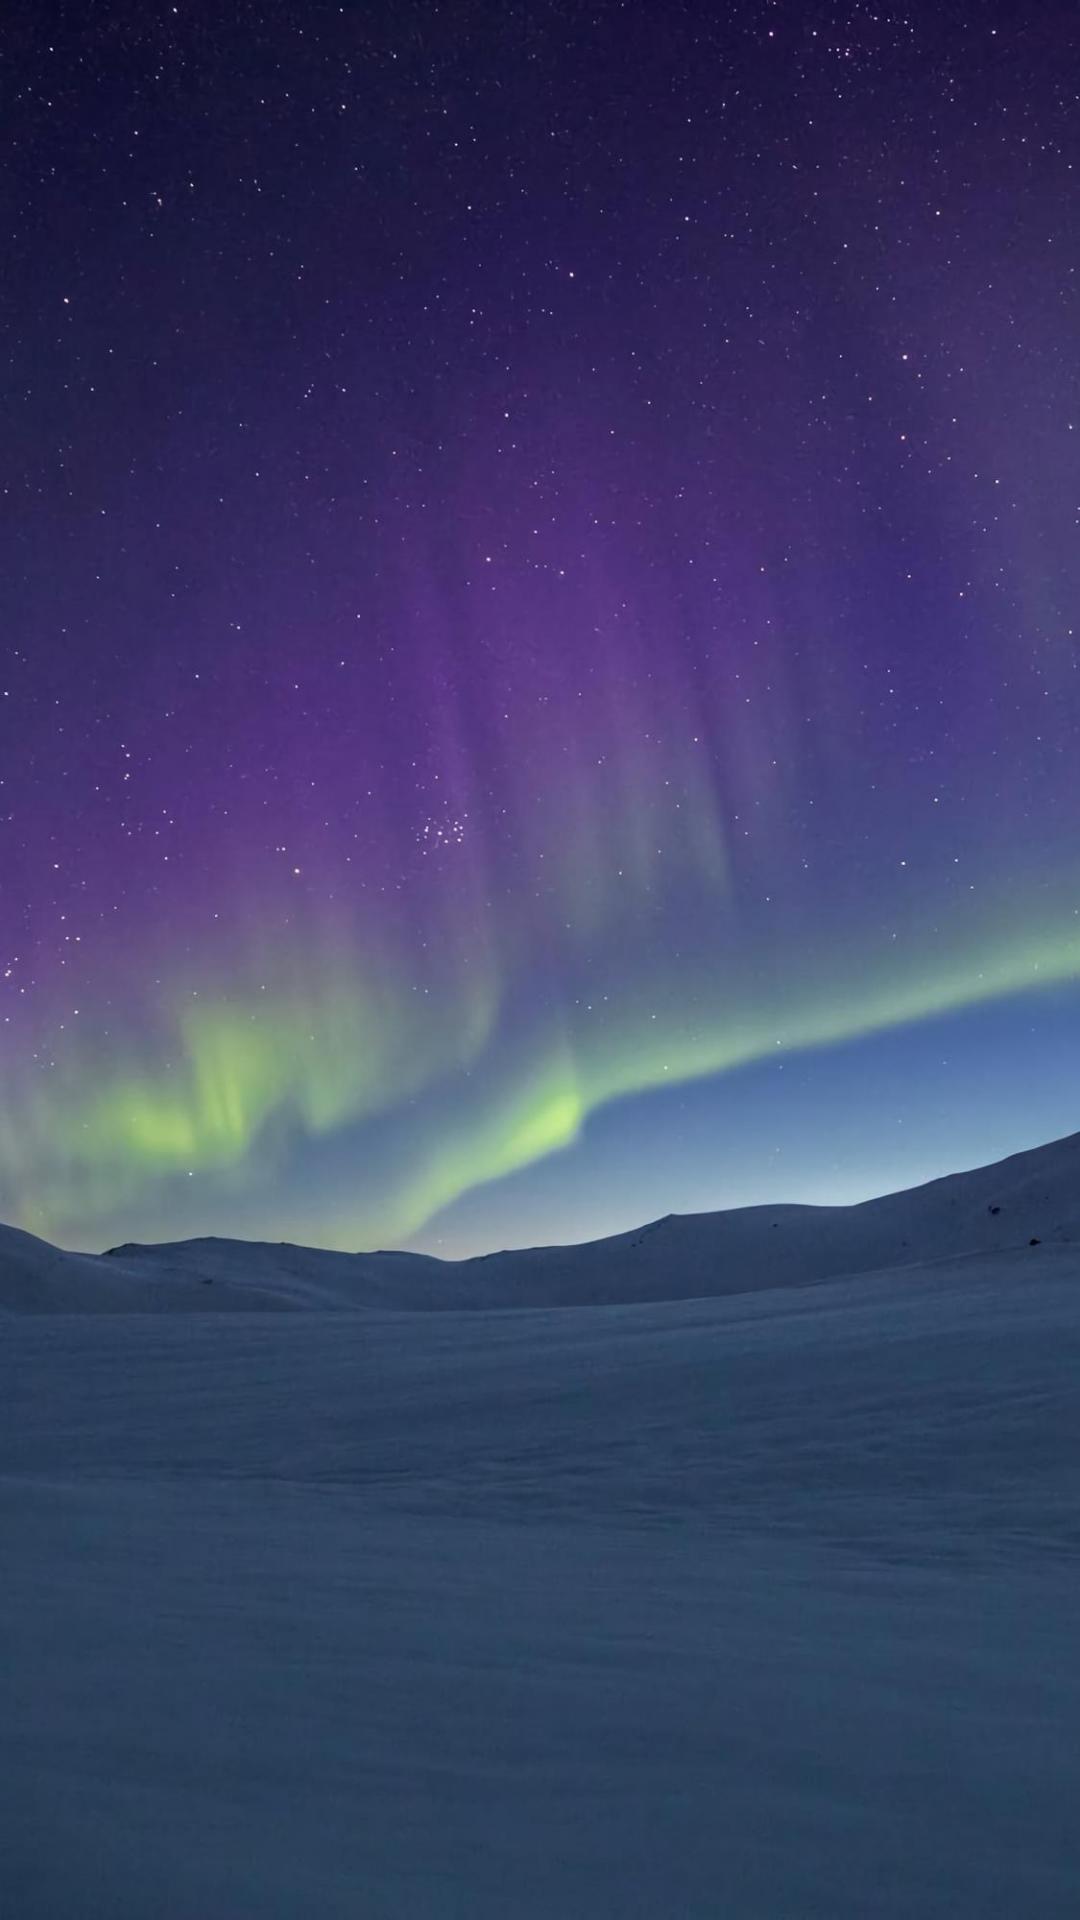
(541, 549)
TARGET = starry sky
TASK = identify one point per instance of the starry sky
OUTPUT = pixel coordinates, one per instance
(540, 611)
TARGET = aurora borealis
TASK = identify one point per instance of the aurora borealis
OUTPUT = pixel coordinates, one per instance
(541, 552)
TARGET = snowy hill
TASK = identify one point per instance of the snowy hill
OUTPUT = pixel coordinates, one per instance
(761, 1604)
(38, 1278)
(1033, 1196)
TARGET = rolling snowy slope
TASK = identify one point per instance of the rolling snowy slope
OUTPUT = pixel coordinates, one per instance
(1033, 1195)
(760, 1604)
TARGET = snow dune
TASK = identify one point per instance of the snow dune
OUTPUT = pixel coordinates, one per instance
(719, 1593)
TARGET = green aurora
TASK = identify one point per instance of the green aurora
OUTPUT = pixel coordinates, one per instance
(430, 1096)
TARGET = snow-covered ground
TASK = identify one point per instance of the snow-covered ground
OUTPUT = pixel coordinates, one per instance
(761, 1605)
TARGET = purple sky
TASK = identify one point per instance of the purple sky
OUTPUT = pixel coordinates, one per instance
(540, 571)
